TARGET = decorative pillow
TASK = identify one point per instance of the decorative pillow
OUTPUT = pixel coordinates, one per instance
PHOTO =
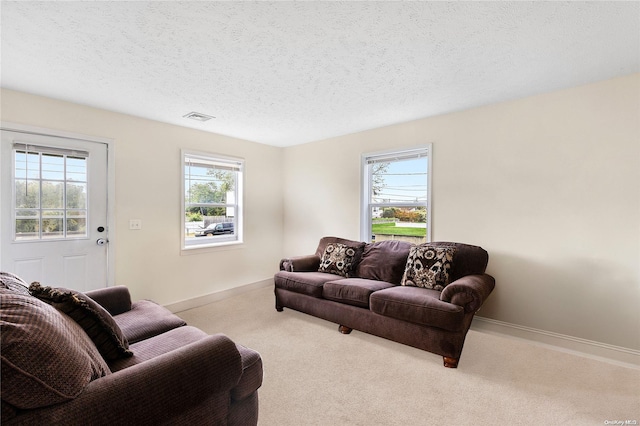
(46, 357)
(93, 318)
(337, 259)
(428, 266)
(13, 282)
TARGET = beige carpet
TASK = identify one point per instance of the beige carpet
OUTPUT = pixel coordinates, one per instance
(313, 375)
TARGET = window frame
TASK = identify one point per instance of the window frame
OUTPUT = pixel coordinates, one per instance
(366, 204)
(191, 245)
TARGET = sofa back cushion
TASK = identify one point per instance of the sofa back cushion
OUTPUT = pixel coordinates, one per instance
(467, 259)
(46, 357)
(384, 261)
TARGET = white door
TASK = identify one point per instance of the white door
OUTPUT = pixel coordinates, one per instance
(54, 210)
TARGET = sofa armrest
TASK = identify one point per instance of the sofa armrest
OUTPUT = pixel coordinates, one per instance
(309, 263)
(172, 388)
(470, 291)
(115, 300)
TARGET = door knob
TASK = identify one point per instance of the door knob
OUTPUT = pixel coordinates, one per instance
(102, 241)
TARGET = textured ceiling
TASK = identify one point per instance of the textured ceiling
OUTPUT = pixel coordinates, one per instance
(284, 73)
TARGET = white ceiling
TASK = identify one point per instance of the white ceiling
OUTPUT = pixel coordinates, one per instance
(284, 73)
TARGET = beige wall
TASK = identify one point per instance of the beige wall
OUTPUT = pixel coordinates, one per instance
(148, 179)
(549, 185)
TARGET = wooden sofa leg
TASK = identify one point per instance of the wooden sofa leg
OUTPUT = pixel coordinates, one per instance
(451, 362)
(345, 330)
(279, 308)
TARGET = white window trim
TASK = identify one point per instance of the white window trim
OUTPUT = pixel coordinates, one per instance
(365, 205)
(219, 243)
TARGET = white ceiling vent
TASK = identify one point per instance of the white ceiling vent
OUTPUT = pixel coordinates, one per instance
(198, 116)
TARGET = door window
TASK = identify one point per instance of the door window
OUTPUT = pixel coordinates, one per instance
(50, 193)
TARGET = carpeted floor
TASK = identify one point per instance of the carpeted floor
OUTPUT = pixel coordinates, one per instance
(313, 375)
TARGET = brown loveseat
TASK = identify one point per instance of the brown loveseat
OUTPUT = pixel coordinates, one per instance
(98, 359)
(391, 289)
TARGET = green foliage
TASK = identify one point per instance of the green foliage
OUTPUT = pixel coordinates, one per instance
(28, 195)
(194, 216)
(206, 211)
(206, 193)
(32, 201)
(389, 212)
(213, 191)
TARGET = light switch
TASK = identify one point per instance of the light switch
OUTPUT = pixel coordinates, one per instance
(135, 224)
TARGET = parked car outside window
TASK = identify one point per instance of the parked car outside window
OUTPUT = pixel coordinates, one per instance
(217, 229)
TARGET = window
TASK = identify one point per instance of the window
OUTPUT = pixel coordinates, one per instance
(212, 201)
(50, 193)
(396, 195)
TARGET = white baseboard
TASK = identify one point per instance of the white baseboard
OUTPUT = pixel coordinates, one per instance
(218, 295)
(618, 355)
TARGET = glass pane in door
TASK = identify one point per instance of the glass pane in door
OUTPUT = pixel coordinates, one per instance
(50, 198)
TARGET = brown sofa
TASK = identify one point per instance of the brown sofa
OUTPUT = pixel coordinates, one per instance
(362, 290)
(97, 358)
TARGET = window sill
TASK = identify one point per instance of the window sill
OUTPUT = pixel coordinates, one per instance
(209, 248)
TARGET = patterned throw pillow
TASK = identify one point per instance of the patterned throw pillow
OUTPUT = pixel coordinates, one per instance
(428, 266)
(93, 318)
(337, 259)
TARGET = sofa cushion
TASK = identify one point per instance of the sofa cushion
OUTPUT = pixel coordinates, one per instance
(93, 318)
(353, 291)
(428, 266)
(146, 319)
(384, 261)
(13, 282)
(47, 358)
(309, 283)
(338, 259)
(417, 305)
(152, 347)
